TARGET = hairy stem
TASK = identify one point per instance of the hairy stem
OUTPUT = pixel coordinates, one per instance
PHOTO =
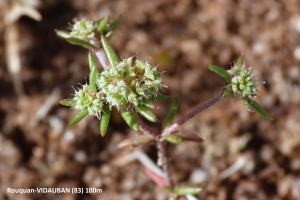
(163, 158)
(100, 54)
(145, 128)
(193, 113)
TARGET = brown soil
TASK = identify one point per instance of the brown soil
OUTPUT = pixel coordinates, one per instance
(183, 37)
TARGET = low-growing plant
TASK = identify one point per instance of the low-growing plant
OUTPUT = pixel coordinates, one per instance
(132, 85)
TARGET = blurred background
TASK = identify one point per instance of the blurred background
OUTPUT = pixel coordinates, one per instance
(243, 156)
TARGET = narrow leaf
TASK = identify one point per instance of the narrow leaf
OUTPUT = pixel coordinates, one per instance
(130, 119)
(62, 34)
(188, 137)
(257, 107)
(115, 24)
(109, 34)
(171, 114)
(94, 74)
(220, 71)
(138, 140)
(148, 103)
(79, 117)
(102, 24)
(80, 42)
(92, 79)
(146, 112)
(158, 97)
(92, 62)
(110, 52)
(240, 62)
(113, 27)
(173, 139)
(187, 190)
(105, 120)
(68, 102)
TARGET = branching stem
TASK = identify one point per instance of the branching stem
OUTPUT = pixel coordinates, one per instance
(193, 113)
(145, 128)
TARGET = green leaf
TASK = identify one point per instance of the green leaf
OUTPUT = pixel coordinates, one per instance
(68, 102)
(80, 42)
(148, 103)
(130, 119)
(109, 34)
(158, 97)
(92, 79)
(94, 74)
(240, 62)
(146, 112)
(102, 24)
(220, 71)
(171, 114)
(79, 117)
(113, 27)
(62, 34)
(110, 52)
(173, 139)
(105, 120)
(92, 62)
(187, 190)
(115, 24)
(256, 107)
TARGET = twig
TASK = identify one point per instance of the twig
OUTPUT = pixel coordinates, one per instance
(196, 111)
(145, 128)
(163, 157)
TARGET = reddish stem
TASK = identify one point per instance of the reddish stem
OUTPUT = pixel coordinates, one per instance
(196, 111)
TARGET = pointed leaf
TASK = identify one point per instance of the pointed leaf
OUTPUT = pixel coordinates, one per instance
(188, 137)
(220, 71)
(110, 52)
(102, 24)
(240, 62)
(115, 24)
(105, 120)
(171, 114)
(138, 140)
(146, 112)
(109, 34)
(130, 119)
(79, 117)
(68, 102)
(257, 107)
(92, 62)
(113, 27)
(187, 190)
(80, 42)
(62, 34)
(173, 139)
(94, 74)
(158, 97)
(92, 79)
(148, 103)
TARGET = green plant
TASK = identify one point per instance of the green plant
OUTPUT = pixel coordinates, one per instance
(131, 85)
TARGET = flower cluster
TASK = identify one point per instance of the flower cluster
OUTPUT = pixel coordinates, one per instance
(84, 29)
(129, 82)
(86, 99)
(242, 83)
